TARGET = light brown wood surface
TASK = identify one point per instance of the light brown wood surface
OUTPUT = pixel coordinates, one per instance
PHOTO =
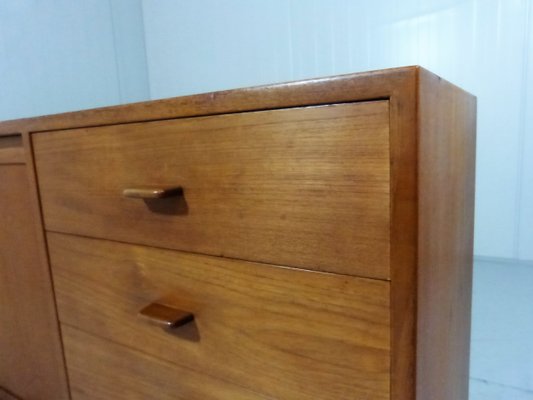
(31, 362)
(403, 263)
(102, 370)
(11, 150)
(304, 187)
(446, 167)
(286, 333)
(431, 149)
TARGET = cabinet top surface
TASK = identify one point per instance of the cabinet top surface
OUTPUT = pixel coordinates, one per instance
(371, 85)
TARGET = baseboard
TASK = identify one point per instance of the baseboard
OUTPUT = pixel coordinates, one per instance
(503, 260)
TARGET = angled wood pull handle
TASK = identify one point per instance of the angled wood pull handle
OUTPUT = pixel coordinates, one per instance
(149, 192)
(165, 316)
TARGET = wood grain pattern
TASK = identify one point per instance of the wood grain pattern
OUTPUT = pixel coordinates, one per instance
(133, 374)
(31, 362)
(304, 187)
(431, 131)
(11, 150)
(362, 86)
(404, 231)
(446, 174)
(287, 333)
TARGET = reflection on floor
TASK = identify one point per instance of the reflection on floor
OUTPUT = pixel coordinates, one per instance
(502, 331)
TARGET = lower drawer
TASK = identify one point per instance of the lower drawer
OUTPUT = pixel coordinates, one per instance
(285, 333)
(130, 374)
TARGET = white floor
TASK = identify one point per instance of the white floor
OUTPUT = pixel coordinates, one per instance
(502, 331)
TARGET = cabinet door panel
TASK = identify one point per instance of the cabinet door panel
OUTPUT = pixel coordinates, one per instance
(31, 360)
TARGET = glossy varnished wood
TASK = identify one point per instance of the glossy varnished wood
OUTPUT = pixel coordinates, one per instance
(431, 130)
(446, 166)
(165, 316)
(286, 333)
(403, 263)
(433, 156)
(31, 361)
(102, 370)
(149, 193)
(304, 187)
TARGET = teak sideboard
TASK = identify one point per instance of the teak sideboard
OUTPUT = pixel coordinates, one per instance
(309, 240)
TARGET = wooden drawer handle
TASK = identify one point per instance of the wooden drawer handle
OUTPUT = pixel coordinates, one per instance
(152, 192)
(165, 316)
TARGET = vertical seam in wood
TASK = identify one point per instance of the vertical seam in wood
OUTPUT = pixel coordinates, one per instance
(417, 222)
(404, 276)
(32, 171)
(391, 326)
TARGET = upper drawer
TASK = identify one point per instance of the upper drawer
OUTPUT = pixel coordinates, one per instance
(305, 187)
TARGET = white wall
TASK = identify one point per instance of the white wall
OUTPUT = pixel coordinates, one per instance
(485, 46)
(63, 55)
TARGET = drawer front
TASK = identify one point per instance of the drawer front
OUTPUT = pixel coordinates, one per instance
(131, 374)
(282, 332)
(303, 187)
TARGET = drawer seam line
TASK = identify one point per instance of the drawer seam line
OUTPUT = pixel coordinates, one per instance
(217, 256)
(130, 348)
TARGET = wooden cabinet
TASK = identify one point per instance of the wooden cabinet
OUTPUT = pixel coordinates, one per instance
(310, 240)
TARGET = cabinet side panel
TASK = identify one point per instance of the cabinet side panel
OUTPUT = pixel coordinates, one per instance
(31, 360)
(447, 127)
(404, 216)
